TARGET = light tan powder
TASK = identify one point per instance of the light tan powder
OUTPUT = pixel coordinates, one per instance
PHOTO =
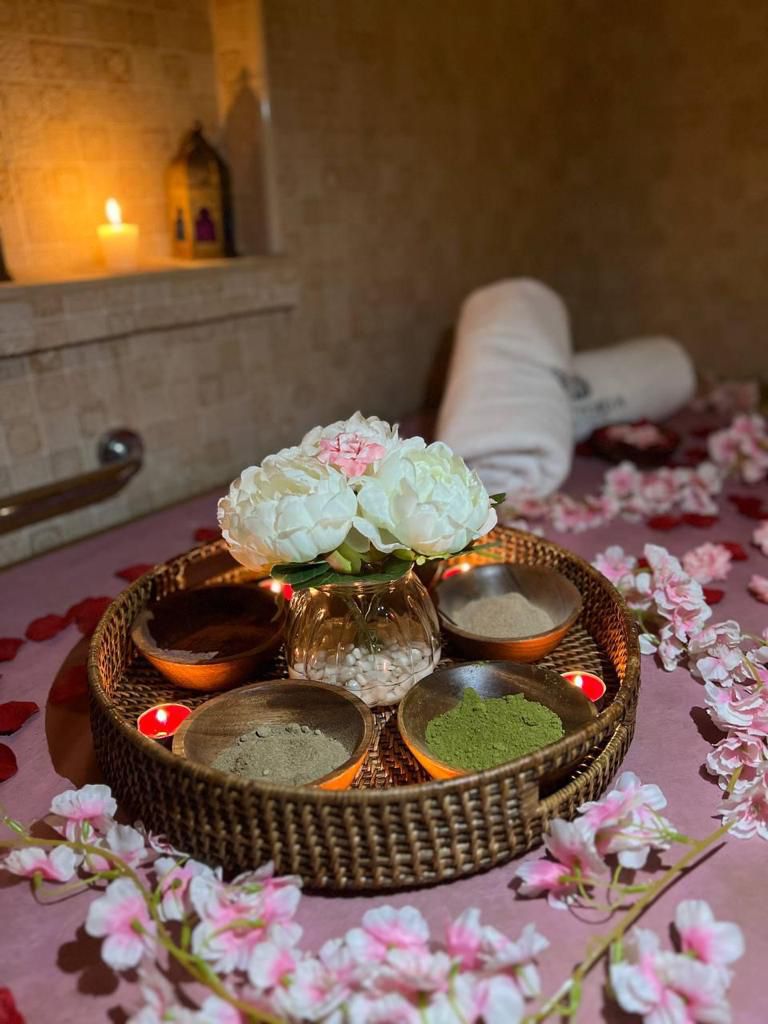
(506, 616)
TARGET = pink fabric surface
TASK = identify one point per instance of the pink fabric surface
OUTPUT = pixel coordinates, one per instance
(54, 968)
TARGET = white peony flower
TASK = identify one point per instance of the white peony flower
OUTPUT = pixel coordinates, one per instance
(292, 508)
(423, 497)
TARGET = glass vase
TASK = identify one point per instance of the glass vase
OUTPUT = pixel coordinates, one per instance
(375, 639)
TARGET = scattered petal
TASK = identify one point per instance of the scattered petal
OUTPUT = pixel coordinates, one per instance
(205, 534)
(87, 613)
(133, 572)
(699, 521)
(737, 552)
(713, 596)
(760, 537)
(9, 647)
(749, 505)
(70, 684)
(9, 1014)
(8, 765)
(665, 522)
(758, 587)
(14, 713)
(46, 627)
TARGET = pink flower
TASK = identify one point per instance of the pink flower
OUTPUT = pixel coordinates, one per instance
(615, 564)
(123, 840)
(717, 943)
(388, 928)
(173, 878)
(739, 707)
(708, 562)
(272, 963)
(122, 919)
(760, 537)
(571, 845)
(758, 587)
(87, 809)
(391, 1008)
(742, 447)
(737, 752)
(56, 865)
(746, 811)
(159, 999)
(490, 1000)
(626, 821)
(351, 453)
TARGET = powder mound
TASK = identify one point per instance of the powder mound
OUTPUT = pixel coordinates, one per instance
(293, 754)
(506, 616)
(482, 732)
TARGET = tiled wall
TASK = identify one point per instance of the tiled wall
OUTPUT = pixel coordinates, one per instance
(94, 98)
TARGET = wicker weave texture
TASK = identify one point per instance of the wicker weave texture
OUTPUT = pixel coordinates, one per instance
(394, 829)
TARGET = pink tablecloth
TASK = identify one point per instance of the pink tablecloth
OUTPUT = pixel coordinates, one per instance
(54, 968)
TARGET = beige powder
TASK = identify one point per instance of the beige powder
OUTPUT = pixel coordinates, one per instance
(505, 616)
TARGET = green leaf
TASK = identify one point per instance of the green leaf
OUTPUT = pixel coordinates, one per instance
(322, 575)
(497, 499)
(298, 574)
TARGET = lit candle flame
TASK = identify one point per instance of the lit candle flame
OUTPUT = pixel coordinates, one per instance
(578, 681)
(113, 212)
(276, 587)
(161, 715)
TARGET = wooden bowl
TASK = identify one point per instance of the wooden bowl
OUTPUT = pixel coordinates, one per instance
(544, 587)
(440, 692)
(218, 722)
(211, 638)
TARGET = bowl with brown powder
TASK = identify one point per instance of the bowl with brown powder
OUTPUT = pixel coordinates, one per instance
(507, 611)
(280, 732)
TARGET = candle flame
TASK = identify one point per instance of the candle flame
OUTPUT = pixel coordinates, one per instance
(161, 715)
(578, 681)
(113, 212)
(276, 587)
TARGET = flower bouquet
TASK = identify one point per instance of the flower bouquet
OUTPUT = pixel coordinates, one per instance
(343, 517)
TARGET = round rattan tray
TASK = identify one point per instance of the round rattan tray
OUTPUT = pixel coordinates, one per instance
(394, 828)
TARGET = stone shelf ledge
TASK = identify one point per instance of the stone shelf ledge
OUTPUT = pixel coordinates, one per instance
(40, 316)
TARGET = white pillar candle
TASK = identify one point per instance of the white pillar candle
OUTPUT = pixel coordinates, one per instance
(119, 242)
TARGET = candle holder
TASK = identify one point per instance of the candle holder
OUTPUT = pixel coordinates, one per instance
(592, 686)
(161, 721)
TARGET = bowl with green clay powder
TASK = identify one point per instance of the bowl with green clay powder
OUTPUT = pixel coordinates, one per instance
(473, 717)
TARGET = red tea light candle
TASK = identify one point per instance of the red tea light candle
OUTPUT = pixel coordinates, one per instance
(162, 721)
(276, 587)
(591, 685)
(455, 570)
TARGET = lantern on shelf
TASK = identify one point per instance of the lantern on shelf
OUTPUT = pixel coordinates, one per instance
(199, 205)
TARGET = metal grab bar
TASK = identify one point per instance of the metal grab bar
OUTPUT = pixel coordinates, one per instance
(120, 456)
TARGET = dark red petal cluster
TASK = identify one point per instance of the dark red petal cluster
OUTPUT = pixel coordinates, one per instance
(749, 505)
(712, 595)
(86, 614)
(701, 522)
(8, 1012)
(14, 713)
(132, 572)
(737, 552)
(666, 522)
(8, 767)
(46, 627)
(70, 684)
(204, 534)
(9, 647)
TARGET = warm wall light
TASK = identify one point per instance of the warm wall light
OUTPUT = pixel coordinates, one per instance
(119, 242)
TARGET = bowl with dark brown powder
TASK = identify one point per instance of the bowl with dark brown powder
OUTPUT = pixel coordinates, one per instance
(507, 611)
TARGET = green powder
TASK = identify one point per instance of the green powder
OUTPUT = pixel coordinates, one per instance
(291, 753)
(480, 733)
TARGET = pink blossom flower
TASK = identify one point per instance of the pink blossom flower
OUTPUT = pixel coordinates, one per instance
(89, 808)
(708, 562)
(615, 564)
(625, 821)
(160, 1002)
(351, 453)
(760, 537)
(746, 811)
(173, 878)
(391, 1008)
(717, 943)
(758, 587)
(739, 707)
(475, 999)
(388, 928)
(571, 845)
(738, 752)
(623, 481)
(416, 971)
(213, 1011)
(123, 840)
(639, 435)
(742, 447)
(273, 962)
(56, 865)
(121, 917)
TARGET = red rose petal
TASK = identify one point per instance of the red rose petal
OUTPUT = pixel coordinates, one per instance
(9, 647)
(643, 563)
(86, 614)
(664, 522)
(8, 766)
(132, 572)
(693, 456)
(584, 448)
(14, 713)
(737, 552)
(45, 627)
(748, 505)
(8, 1012)
(699, 521)
(204, 534)
(703, 431)
(712, 595)
(70, 684)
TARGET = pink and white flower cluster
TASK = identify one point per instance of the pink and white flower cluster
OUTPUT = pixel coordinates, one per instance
(688, 985)
(621, 829)
(741, 449)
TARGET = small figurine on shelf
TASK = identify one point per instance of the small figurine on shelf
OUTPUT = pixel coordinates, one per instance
(199, 203)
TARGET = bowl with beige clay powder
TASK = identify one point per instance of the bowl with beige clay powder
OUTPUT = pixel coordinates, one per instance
(507, 611)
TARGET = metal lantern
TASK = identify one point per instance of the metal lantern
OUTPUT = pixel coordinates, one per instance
(199, 207)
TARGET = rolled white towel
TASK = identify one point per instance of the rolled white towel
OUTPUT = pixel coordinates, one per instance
(643, 378)
(505, 409)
